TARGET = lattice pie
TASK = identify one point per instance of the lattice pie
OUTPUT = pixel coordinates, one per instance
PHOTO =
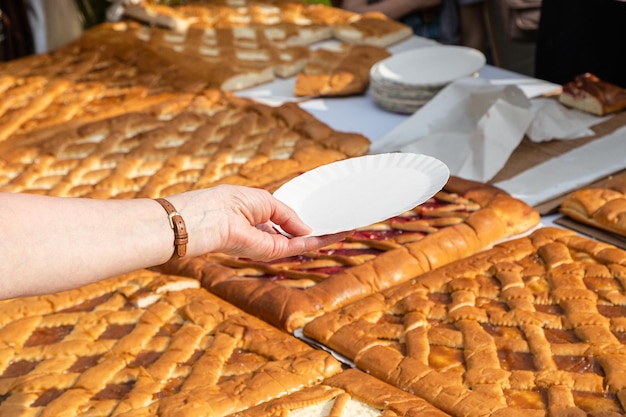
(463, 219)
(535, 326)
(249, 43)
(349, 394)
(602, 207)
(338, 72)
(183, 143)
(143, 345)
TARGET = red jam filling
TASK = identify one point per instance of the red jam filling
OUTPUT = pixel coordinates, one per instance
(19, 368)
(83, 363)
(48, 335)
(144, 359)
(169, 329)
(114, 391)
(612, 310)
(440, 298)
(88, 305)
(47, 397)
(116, 331)
(197, 354)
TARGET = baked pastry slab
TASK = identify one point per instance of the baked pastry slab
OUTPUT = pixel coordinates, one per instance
(249, 43)
(603, 207)
(145, 344)
(532, 327)
(372, 29)
(341, 71)
(590, 94)
(348, 394)
(290, 292)
(186, 142)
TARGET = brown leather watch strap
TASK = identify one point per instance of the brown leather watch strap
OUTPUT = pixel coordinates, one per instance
(178, 225)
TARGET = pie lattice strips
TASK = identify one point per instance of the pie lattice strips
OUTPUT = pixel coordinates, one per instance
(33, 104)
(254, 42)
(602, 207)
(194, 142)
(290, 292)
(145, 344)
(106, 54)
(535, 326)
(338, 72)
(292, 21)
(348, 394)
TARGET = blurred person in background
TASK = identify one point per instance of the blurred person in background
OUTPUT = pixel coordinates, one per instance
(16, 38)
(472, 26)
(578, 36)
(452, 22)
(423, 16)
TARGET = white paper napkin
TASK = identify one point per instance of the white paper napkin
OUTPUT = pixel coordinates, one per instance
(552, 120)
(576, 168)
(471, 125)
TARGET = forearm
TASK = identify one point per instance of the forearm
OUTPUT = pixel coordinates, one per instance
(393, 9)
(50, 244)
(53, 244)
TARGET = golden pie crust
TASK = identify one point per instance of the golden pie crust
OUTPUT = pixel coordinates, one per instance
(145, 344)
(374, 29)
(290, 292)
(117, 68)
(603, 207)
(348, 394)
(194, 141)
(532, 327)
(251, 44)
(338, 72)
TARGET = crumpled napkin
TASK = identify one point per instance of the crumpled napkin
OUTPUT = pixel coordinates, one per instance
(472, 126)
(552, 120)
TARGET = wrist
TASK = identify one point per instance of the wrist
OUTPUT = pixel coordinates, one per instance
(178, 226)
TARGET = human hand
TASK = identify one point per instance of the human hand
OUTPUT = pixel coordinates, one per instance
(240, 221)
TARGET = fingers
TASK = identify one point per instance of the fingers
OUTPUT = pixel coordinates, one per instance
(285, 247)
(288, 220)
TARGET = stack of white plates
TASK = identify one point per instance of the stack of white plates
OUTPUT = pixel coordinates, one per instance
(404, 82)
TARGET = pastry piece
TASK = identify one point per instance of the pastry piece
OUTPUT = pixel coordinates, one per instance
(372, 29)
(158, 15)
(350, 393)
(145, 344)
(292, 291)
(33, 104)
(199, 141)
(532, 327)
(603, 207)
(338, 72)
(106, 54)
(593, 95)
(231, 58)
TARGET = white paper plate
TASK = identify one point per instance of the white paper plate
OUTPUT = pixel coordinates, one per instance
(357, 192)
(433, 65)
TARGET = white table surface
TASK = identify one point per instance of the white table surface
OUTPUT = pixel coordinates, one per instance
(359, 114)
